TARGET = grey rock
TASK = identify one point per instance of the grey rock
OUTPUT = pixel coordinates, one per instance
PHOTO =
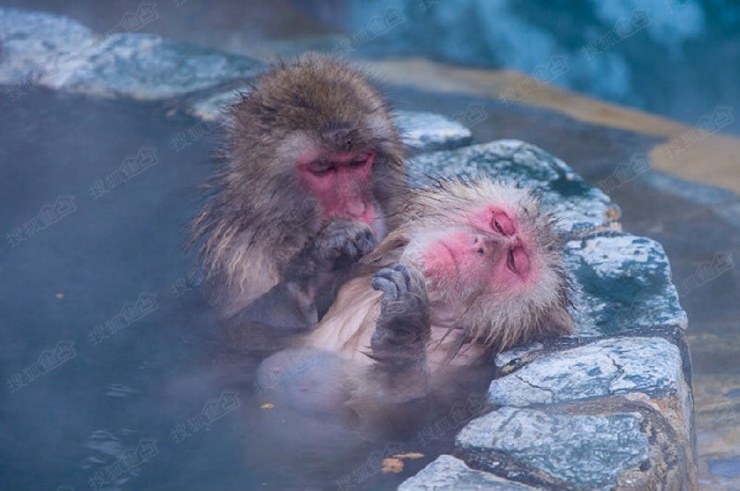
(428, 132)
(609, 367)
(57, 52)
(145, 66)
(584, 451)
(447, 473)
(622, 282)
(32, 43)
(579, 207)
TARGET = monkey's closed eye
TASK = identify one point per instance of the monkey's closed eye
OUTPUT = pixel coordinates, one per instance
(360, 160)
(502, 223)
(320, 168)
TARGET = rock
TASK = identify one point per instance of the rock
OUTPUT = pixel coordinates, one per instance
(450, 474)
(31, 43)
(57, 52)
(428, 132)
(618, 366)
(622, 282)
(580, 208)
(554, 450)
(145, 66)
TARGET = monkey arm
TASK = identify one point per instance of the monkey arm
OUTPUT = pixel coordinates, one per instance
(401, 333)
(312, 277)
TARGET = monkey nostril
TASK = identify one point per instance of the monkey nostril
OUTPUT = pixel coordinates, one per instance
(481, 251)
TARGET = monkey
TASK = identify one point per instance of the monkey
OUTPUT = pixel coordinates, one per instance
(475, 269)
(314, 178)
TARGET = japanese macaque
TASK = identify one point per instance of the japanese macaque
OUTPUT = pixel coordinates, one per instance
(475, 269)
(314, 177)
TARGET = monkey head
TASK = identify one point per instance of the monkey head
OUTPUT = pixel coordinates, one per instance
(490, 259)
(317, 135)
(314, 165)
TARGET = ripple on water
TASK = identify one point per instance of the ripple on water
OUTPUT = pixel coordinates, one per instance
(121, 390)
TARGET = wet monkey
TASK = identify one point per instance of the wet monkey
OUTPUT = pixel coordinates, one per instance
(475, 269)
(313, 180)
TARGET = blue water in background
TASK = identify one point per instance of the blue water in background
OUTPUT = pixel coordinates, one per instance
(677, 58)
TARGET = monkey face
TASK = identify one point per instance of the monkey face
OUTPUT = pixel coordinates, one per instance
(341, 183)
(490, 251)
(489, 257)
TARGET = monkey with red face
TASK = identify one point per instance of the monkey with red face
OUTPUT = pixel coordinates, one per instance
(314, 177)
(474, 270)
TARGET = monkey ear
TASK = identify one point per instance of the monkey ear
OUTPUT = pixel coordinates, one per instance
(394, 242)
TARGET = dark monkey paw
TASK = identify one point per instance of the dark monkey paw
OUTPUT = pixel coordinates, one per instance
(403, 327)
(342, 243)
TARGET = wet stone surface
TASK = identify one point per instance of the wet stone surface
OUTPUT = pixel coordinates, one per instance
(614, 366)
(32, 42)
(448, 473)
(145, 66)
(59, 53)
(577, 451)
(622, 282)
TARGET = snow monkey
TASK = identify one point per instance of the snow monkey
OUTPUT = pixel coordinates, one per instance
(475, 269)
(314, 179)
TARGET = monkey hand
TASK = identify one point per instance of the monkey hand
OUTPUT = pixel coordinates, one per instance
(340, 244)
(403, 327)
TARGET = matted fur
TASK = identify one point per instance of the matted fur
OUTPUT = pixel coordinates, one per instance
(498, 320)
(259, 215)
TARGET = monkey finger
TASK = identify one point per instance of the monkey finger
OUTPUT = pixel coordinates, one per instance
(398, 275)
(389, 289)
(416, 282)
(404, 276)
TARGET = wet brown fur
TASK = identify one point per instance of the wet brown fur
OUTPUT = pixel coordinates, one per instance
(259, 216)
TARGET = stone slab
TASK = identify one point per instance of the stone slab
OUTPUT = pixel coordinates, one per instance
(581, 451)
(448, 473)
(617, 366)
